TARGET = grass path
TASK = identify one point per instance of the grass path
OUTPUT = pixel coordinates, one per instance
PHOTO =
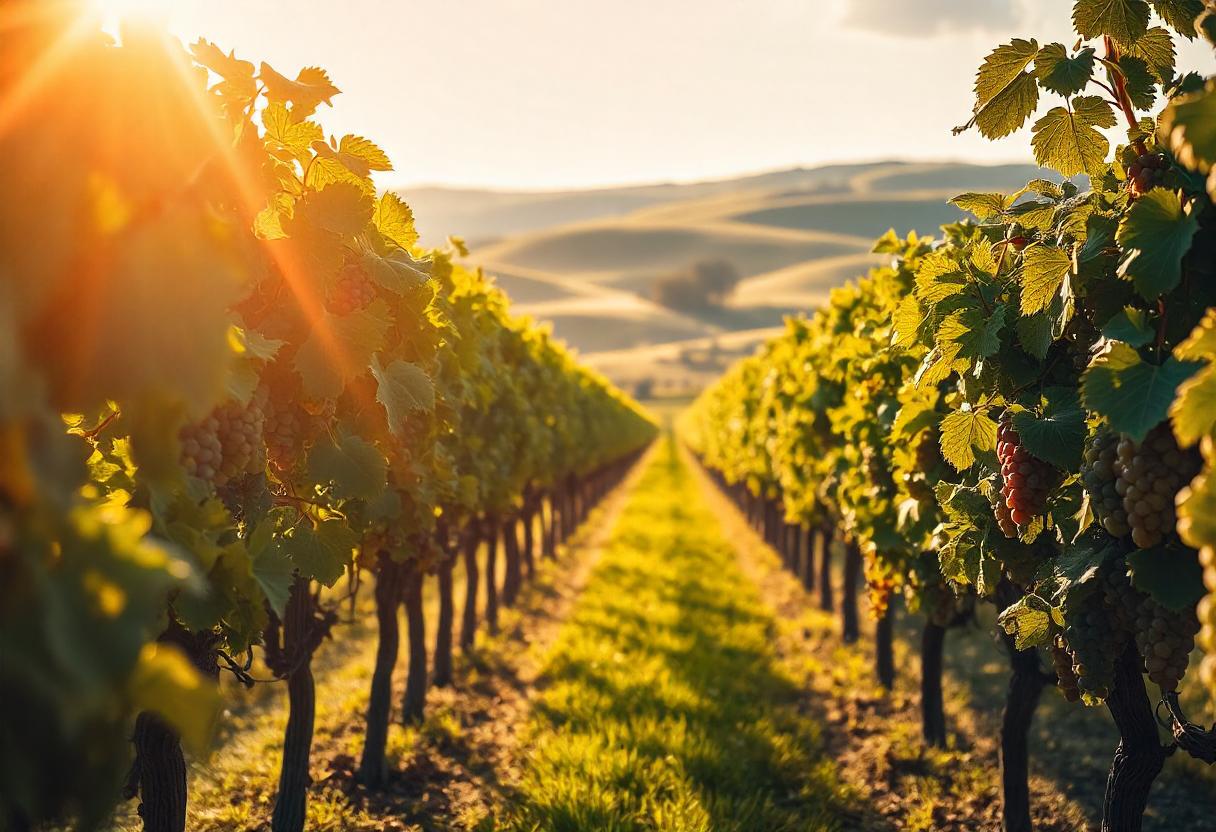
(663, 704)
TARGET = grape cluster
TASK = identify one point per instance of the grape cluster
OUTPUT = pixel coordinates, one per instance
(202, 452)
(239, 431)
(1147, 172)
(1121, 598)
(1165, 638)
(1099, 477)
(1016, 237)
(1066, 679)
(352, 292)
(1148, 478)
(928, 457)
(1094, 643)
(286, 430)
(1025, 482)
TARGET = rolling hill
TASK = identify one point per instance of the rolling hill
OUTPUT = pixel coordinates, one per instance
(588, 260)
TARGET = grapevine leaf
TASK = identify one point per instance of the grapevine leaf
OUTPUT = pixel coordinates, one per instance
(1028, 621)
(357, 469)
(1034, 333)
(395, 271)
(360, 148)
(165, 682)
(1043, 271)
(1133, 395)
(294, 137)
(1062, 74)
(1200, 345)
(1124, 20)
(322, 553)
(1129, 325)
(340, 207)
(1068, 142)
(271, 567)
(1156, 49)
(983, 205)
(1188, 126)
(1169, 573)
(971, 333)
(1156, 234)
(404, 389)
(906, 322)
(1180, 14)
(888, 243)
(340, 348)
(963, 432)
(1193, 413)
(1005, 93)
(1058, 435)
(1139, 80)
(395, 220)
(309, 90)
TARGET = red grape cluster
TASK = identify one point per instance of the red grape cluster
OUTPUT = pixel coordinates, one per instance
(1149, 477)
(1147, 172)
(352, 292)
(1025, 481)
(1165, 638)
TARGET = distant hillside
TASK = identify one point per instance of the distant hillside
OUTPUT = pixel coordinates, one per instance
(588, 260)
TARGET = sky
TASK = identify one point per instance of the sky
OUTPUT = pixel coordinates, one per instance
(550, 94)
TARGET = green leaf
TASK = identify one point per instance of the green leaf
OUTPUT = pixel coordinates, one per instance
(1193, 412)
(294, 137)
(963, 432)
(1200, 345)
(1062, 74)
(1034, 333)
(365, 150)
(1058, 435)
(1129, 325)
(1067, 141)
(323, 553)
(983, 205)
(165, 682)
(1123, 20)
(356, 467)
(1028, 621)
(1133, 395)
(1156, 234)
(1005, 94)
(395, 220)
(1180, 14)
(906, 322)
(1188, 126)
(340, 348)
(270, 565)
(1170, 573)
(404, 389)
(1156, 49)
(1140, 82)
(1044, 268)
(340, 207)
(971, 333)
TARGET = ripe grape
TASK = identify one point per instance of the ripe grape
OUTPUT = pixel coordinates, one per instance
(1165, 638)
(1025, 480)
(1099, 477)
(1147, 172)
(352, 292)
(1093, 640)
(1121, 598)
(1149, 476)
(1004, 518)
(241, 441)
(1066, 679)
(202, 453)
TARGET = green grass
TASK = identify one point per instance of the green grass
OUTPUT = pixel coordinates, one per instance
(664, 706)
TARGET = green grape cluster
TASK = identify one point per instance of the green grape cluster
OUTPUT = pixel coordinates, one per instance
(1025, 481)
(1149, 475)
(1099, 478)
(352, 292)
(1121, 598)
(1165, 639)
(1066, 679)
(240, 428)
(1206, 613)
(1093, 641)
(202, 452)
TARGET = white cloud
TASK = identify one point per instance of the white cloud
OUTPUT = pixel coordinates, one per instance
(918, 18)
